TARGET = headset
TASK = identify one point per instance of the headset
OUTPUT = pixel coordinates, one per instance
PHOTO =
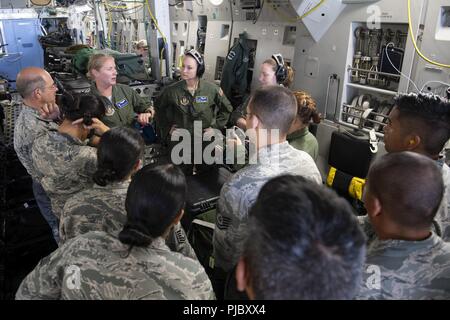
(281, 72)
(200, 62)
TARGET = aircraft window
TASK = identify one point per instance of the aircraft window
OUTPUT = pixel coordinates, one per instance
(446, 17)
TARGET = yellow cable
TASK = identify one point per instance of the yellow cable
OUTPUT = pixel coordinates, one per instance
(312, 10)
(156, 23)
(116, 7)
(162, 35)
(413, 38)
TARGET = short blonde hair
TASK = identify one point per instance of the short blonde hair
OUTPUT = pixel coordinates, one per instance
(96, 61)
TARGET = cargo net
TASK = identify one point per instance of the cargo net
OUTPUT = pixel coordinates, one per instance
(12, 110)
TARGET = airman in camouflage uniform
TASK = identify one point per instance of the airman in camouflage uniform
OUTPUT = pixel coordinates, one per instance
(407, 270)
(103, 209)
(38, 91)
(441, 222)
(64, 165)
(405, 258)
(431, 116)
(98, 266)
(27, 127)
(240, 192)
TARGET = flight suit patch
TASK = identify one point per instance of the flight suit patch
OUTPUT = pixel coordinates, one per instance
(201, 99)
(184, 101)
(109, 110)
(122, 104)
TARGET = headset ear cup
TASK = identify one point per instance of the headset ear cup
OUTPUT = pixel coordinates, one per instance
(281, 74)
(200, 69)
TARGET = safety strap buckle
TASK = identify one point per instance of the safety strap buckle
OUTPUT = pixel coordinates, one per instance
(373, 141)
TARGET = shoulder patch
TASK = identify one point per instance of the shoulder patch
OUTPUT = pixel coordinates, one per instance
(180, 236)
(184, 101)
(109, 110)
(223, 222)
(220, 92)
(231, 55)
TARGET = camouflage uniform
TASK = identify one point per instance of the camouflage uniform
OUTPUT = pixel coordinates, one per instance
(443, 215)
(240, 192)
(441, 220)
(97, 266)
(95, 209)
(177, 106)
(103, 209)
(304, 140)
(408, 270)
(124, 104)
(64, 165)
(26, 128)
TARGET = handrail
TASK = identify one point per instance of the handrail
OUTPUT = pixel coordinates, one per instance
(349, 68)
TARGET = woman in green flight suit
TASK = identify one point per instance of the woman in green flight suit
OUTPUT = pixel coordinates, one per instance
(273, 71)
(191, 99)
(122, 102)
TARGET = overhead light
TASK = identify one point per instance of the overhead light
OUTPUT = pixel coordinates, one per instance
(216, 2)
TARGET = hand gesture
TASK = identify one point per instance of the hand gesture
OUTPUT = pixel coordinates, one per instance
(49, 111)
(99, 127)
(144, 118)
